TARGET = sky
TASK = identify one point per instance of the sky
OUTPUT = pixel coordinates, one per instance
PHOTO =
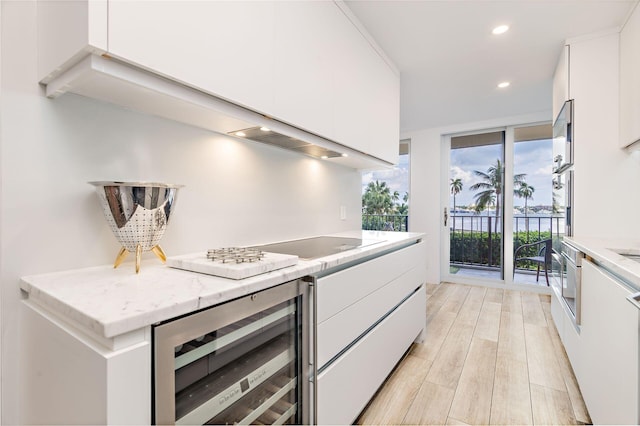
(397, 178)
(534, 158)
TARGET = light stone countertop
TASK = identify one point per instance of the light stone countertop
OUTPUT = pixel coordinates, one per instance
(111, 302)
(604, 252)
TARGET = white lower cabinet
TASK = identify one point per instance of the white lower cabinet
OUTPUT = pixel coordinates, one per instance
(67, 378)
(347, 385)
(603, 350)
(608, 371)
(368, 315)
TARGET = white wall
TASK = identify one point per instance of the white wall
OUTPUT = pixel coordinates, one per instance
(606, 200)
(235, 192)
(426, 179)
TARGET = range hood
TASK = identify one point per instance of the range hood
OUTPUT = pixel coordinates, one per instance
(113, 81)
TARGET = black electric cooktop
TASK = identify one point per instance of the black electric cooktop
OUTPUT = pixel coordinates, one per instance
(313, 248)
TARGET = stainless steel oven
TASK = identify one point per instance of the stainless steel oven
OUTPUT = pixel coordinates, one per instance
(571, 282)
(245, 361)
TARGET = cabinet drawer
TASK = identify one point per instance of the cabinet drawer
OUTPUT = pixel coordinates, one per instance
(340, 330)
(341, 289)
(348, 384)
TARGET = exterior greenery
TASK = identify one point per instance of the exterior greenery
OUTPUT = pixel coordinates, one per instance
(384, 210)
(483, 248)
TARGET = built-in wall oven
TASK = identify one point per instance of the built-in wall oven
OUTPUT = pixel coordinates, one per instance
(567, 274)
(245, 361)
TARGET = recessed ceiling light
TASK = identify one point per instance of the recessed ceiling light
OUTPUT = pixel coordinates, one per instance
(324, 157)
(344, 154)
(503, 84)
(241, 134)
(501, 29)
(265, 129)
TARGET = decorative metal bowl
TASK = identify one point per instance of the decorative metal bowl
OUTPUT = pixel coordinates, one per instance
(138, 214)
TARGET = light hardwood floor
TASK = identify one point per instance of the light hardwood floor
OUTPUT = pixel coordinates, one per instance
(491, 356)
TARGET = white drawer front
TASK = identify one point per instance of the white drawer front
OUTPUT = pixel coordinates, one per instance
(349, 383)
(340, 330)
(344, 288)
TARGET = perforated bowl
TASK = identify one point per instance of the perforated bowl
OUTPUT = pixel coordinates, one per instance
(138, 214)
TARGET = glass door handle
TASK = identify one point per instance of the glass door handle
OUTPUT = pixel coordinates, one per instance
(446, 216)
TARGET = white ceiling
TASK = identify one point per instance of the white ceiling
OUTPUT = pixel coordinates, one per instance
(450, 63)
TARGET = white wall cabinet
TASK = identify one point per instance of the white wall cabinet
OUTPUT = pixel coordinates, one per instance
(630, 80)
(276, 58)
(561, 82)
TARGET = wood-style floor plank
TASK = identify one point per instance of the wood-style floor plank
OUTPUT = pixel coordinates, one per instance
(447, 365)
(511, 400)
(488, 325)
(455, 422)
(512, 302)
(550, 406)
(430, 406)
(544, 369)
(396, 395)
(437, 330)
(450, 378)
(472, 400)
(472, 305)
(532, 310)
(494, 295)
(456, 299)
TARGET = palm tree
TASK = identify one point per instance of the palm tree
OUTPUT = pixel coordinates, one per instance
(491, 187)
(525, 191)
(377, 199)
(456, 188)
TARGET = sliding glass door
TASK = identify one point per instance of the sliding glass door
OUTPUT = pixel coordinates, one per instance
(496, 198)
(475, 205)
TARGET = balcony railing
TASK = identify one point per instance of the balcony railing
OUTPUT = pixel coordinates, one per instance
(385, 222)
(476, 240)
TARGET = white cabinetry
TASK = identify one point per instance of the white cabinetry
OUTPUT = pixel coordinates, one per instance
(305, 64)
(220, 47)
(630, 80)
(367, 317)
(561, 82)
(70, 378)
(608, 375)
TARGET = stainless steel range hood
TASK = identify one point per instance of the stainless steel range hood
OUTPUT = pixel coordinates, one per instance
(113, 81)
(266, 135)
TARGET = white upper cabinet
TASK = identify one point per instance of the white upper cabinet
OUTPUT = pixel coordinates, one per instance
(561, 82)
(305, 64)
(224, 48)
(630, 80)
(304, 79)
(68, 31)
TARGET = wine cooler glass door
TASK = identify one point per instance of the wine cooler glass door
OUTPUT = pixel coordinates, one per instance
(241, 362)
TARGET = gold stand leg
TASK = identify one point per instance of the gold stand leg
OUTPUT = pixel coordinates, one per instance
(158, 252)
(138, 257)
(121, 255)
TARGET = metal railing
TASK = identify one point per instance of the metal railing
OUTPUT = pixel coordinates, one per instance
(385, 222)
(476, 240)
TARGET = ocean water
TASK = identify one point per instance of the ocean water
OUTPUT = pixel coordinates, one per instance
(535, 222)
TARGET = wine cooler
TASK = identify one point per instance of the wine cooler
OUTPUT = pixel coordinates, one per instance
(242, 362)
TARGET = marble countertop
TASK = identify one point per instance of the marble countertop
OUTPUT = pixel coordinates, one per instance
(111, 302)
(606, 252)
